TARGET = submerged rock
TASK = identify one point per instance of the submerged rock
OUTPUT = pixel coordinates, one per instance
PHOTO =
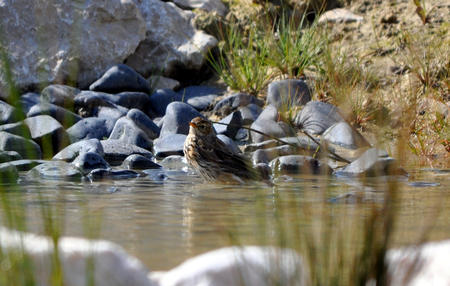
(298, 164)
(139, 162)
(55, 170)
(88, 161)
(174, 162)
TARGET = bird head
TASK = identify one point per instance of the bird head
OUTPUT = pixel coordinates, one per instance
(201, 127)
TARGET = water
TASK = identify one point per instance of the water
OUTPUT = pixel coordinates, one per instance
(165, 222)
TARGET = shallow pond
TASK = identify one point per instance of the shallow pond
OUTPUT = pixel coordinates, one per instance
(165, 222)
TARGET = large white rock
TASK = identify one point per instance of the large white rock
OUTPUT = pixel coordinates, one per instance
(111, 265)
(207, 5)
(50, 40)
(427, 264)
(248, 265)
(171, 40)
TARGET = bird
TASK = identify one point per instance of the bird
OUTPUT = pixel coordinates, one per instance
(212, 159)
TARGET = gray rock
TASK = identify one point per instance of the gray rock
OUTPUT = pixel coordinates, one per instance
(89, 128)
(207, 5)
(302, 142)
(111, 115)
(128, 132)
(61, 95)
(171, 144)
(269, 113)
(116, 151)
(372, 163)
(17, 128)
(200, 97)
(177, 118)
(6, 156)
(98, 174)
(234, 121)
(242, 135)
(298, 164)
(64, 116)
(269, 127)
(139, 100)
(120, 78)
(144, 122)
(172, 43)
(29, 100)
(161, 82)
(26, 148)
(55, 170)
(267, 155)
(87, 103)
(250, 113)
(84, 40)
(48, 133)
(72, 151)
(8, 173)
(285, 94)
(233, 102)
(139, 162)
(8, 114)
(339, 15)
(229, 143)
(174, 162)
(26, 164)
(160, 99)
(316, 117)
(343, 134)
(263, 170)
(86, 162)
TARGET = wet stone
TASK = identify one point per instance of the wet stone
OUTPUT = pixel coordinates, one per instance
(128, 132)
(144, 123)
(264, 170)
(55, 170)
(61, 95)
(234, 123)
(171, 144)
(177, 118)
(116, 151)
(89, 128)
(72, 151)
(298, 164)
(267, 155)
(174, 162)
(6, 156)
(316, 117)
(139, 162)
(26, 164)
(89, 161)
(28, 149)
(64, 116)
(98, 174)
(287, 93)
(120, 78)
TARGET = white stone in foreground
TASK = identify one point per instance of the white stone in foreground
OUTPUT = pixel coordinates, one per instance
(249, 266)
(427, 264)
(112, 265)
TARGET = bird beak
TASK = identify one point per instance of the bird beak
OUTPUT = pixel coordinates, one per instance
(193, 124)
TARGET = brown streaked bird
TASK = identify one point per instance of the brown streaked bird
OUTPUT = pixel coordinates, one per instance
(211, 158)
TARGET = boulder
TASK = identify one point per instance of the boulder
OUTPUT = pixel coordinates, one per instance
(88, 161)
(61, 95)
(171, 42)
(171, 144)
(55, 170)
(64, 116)
(120, 78)
(26, 148)
(67, 36)
(298, 164)
(316, 117)
(139, 162)
(234, 121)
(285, 94)
(177, 118)
(116, 151)
(72, 151)
(144, 123)
(89, 128)
(128, 132)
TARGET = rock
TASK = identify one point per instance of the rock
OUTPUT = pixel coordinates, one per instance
(344, 135)
(8, 114)
(250, 113)
(116, 151)
(255, 266)
(161, 82)
(72, 151)
(171, 144)
(234, 121)
(269, 113)
(120, 78)
(137, 100)
(89, 128)
(64, 116)
(17, 128)
(86, 40)
(242, 135)
(8, 173)
(267, 155)
(139, 162)
(48, 133)
(55, 170)
(317, 116)
(200, 97)
(128, 132)
(285, 94)
(264, 170)
(177, 118)
(6, 156)
(171, 42)
(230, 143)
(26, 164)
(111, 114)
(233, 102)
(429, 260)
(269, 127)
(97, 174)
(88, 161)
(61, 95)
(80, 259)
(26, 148)
(29, 100)
(207, 5)
(298, 164)
(174, 162)
(373, 162)
(160, 99)
(339, 15)
(302, 142)
(144, 123)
